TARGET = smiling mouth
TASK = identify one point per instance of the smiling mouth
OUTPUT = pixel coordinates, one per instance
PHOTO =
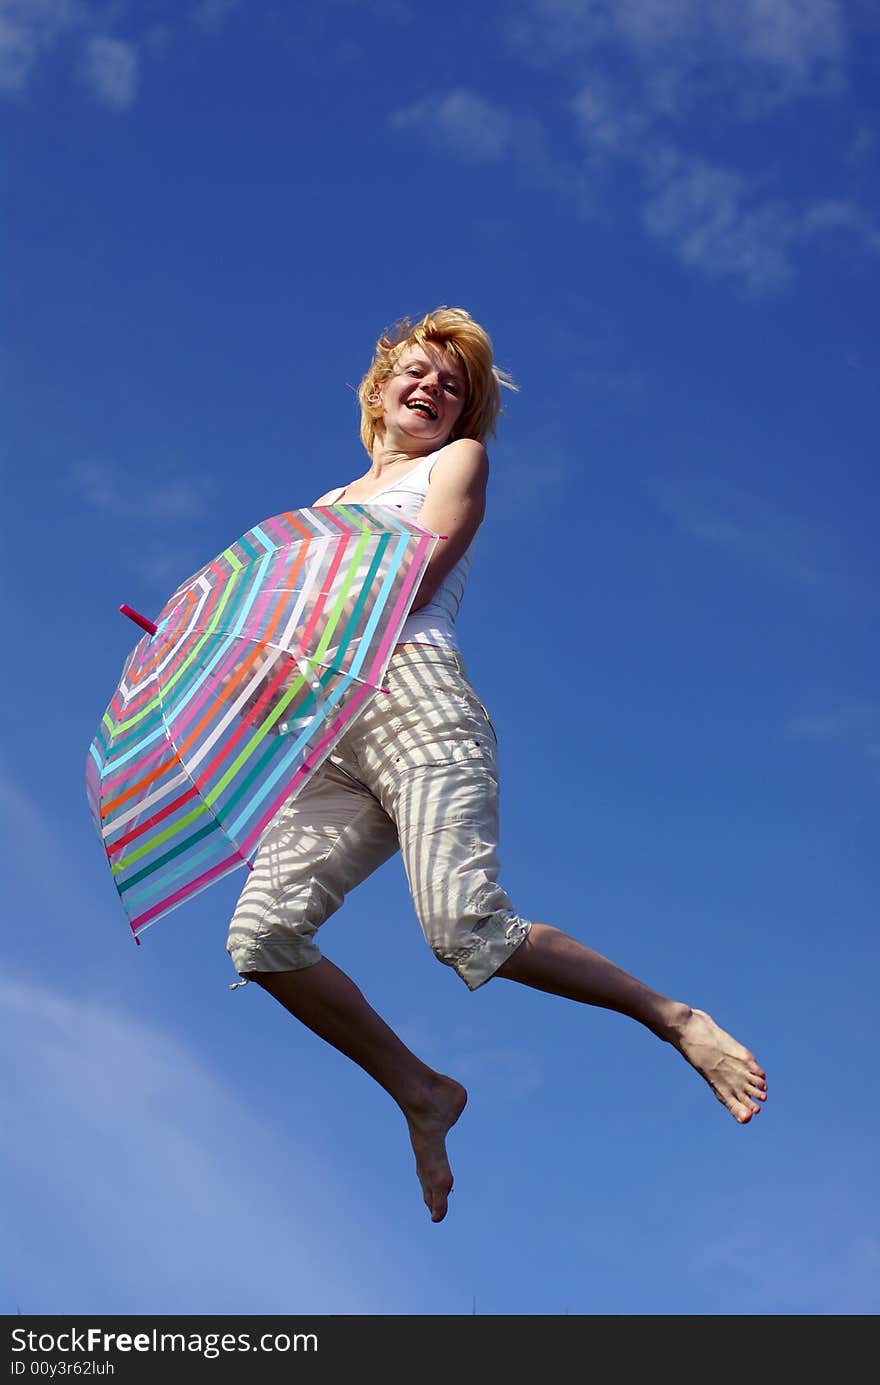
(423, 407)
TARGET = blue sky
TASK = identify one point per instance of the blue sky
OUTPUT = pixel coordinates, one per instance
(666, 213)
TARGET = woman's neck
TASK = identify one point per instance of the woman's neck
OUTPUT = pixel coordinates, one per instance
(386, 455)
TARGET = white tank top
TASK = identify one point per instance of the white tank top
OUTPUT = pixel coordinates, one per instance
(433, 623)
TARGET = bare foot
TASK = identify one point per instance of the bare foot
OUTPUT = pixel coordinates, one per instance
(735, 1075)
(429, 1121)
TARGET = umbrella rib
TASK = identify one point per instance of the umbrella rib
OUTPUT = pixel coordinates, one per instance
(180, 760)
(319, 663)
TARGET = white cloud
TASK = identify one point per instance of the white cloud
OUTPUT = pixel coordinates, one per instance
(713, 218)
(137, 1179)
(110, 67)
(817, 1248)
(839, 215)
(708, 216)
(463, 123)
(862, 148)
(853, 727)
(608, 125)
(164, 569)
(759, 538)
(32, 837)
(764, 49)
(800, 39)
(105, 488)
(466, 126)
(210, 14)
(520, 482)
(27, 29)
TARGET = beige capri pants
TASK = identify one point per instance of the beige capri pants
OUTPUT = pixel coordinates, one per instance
(416, 771)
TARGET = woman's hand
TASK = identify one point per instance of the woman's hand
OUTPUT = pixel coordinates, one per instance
(278, 673)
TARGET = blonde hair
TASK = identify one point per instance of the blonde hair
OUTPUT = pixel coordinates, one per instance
(450, 330)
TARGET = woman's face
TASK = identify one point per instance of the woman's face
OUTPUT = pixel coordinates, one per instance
(423, 399)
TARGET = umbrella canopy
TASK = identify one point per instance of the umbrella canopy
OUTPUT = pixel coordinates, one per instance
(240, 689)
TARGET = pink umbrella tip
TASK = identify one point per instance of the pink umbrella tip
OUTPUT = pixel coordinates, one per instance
(148, 625)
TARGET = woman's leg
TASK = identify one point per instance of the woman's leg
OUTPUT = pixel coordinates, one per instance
(550, 960)
(330, 1004)
(321, 845)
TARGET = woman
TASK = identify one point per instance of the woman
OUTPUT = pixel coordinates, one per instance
(417, 772)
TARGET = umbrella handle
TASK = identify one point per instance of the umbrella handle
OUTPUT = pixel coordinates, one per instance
(313, 682)
(149, 625)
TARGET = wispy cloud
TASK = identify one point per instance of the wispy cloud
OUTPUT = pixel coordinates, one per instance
(839, 215)
(714, 218)
(210, 14)
(642, 68)
(520, 480)
(468, 127)
(507, 1072)
(28, 28)
(759, 50)
(132, 1159)
(110, 69)
(108, 64)
(817, 1250)
(717, 219)
(144, 516)
(32, 836)
(104, 487)
(854, 728)
(164, 569)
(463, 122)
(760, 539)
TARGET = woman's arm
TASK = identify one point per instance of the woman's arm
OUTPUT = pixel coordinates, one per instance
(454, 506)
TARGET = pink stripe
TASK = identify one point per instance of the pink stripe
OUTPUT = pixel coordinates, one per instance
(354, 705)
(180, 723)
(325, 591)
(274, 529)
(268, 596)
(138, 768)
(398, 615)
(344, 526)
(283, 531)
(129, 706)
(210, 688)
(164, 905)
(306, 768)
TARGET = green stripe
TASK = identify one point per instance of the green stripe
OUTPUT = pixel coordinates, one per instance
(361, 602)
(272, 751)
(125, 861)
(343, 593)
(169, 856)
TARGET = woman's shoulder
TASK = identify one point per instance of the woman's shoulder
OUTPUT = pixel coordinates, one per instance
(460, 471)
(463, 456)
(463, 447)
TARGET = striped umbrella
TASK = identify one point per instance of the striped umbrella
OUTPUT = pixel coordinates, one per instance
(240, 689)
